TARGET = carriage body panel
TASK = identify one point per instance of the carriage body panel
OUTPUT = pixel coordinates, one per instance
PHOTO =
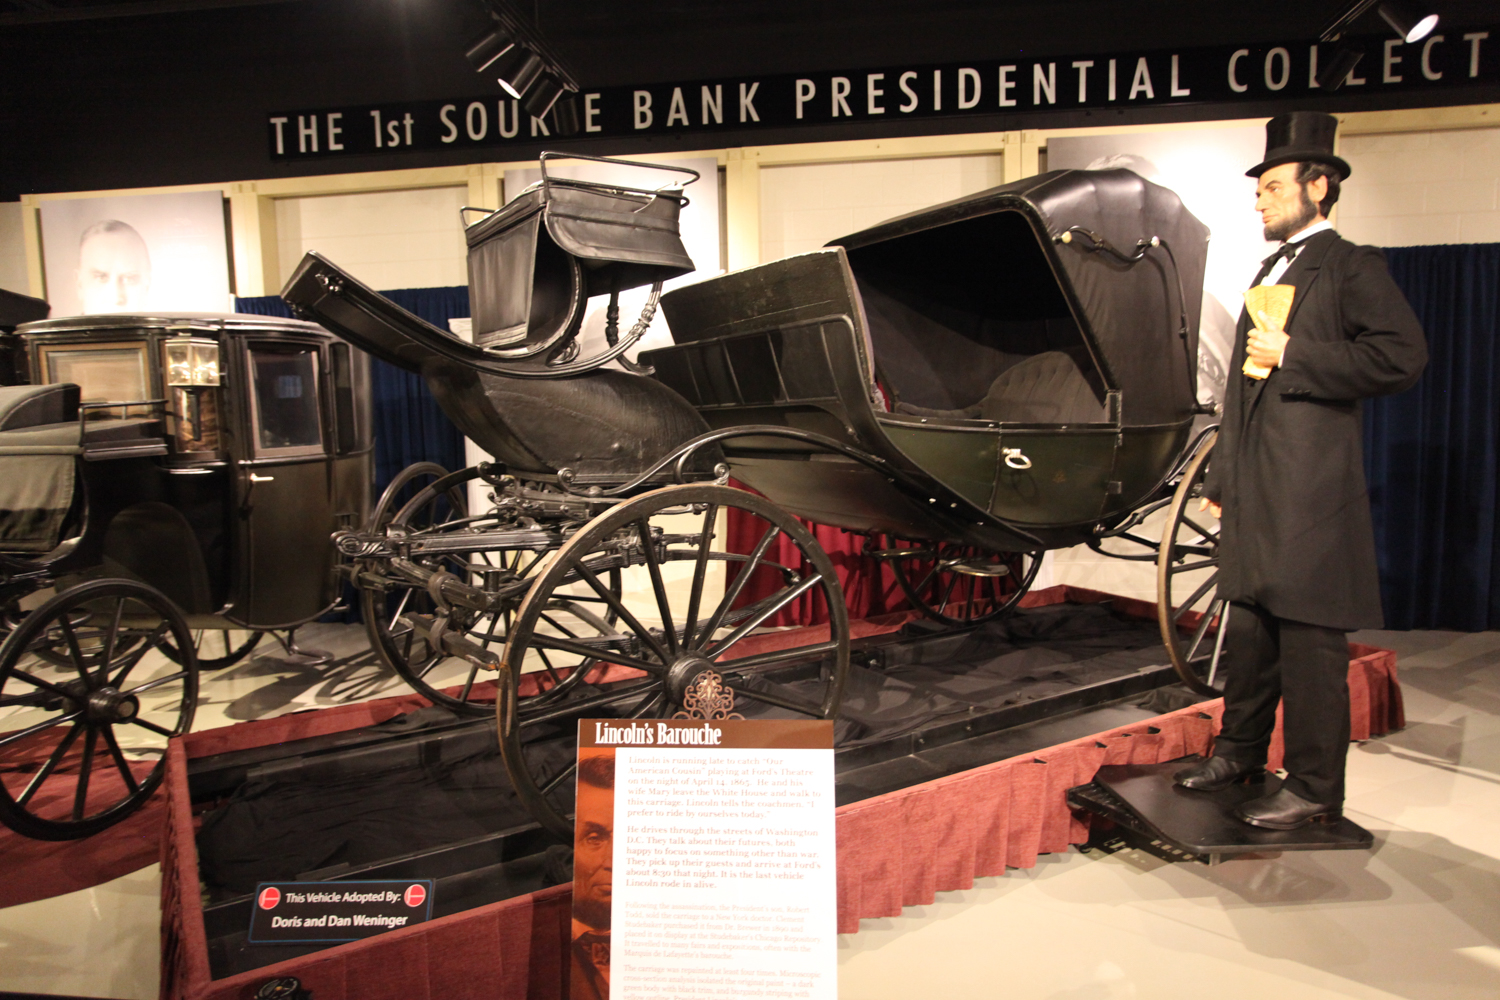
(1015, 384)
(222, 493)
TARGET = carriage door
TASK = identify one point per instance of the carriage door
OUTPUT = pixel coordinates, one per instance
(286, 488)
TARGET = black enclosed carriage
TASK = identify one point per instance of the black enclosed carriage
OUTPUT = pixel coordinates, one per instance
(968, 386)
(173, 481)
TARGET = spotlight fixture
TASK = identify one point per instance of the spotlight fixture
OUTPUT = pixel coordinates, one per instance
(524, 64)
(487, 49)
(518, 69)
(1407, 19)
(565, 117)
(1404, 16)
(1332, 74)
(543, 94)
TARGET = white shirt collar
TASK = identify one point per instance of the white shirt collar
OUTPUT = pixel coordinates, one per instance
(1318, 227)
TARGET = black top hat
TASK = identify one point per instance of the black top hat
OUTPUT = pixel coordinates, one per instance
(1300, 137)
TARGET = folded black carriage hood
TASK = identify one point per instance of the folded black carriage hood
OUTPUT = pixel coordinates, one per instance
(1131, 314)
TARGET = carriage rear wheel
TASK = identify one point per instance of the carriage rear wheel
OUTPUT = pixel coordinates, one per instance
(418, 503)
(960, 584)
(685, 609)
(87, 704)
(1188, 607)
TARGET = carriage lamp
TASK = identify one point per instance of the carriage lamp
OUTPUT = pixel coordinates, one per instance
(192, 362)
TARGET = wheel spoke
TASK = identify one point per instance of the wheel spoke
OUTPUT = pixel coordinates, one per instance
(583, 649)
(77, 654)
(733, 591)
(1197, 595)
(47, 768)
(1191, 567)
(647, 705)
(559, 778)
(81, 792)
(1202, 629)
(156, 683)
(21, 734)
(138, 721)
(1213, 670)
(787, 596)
(773, 658)
(700, 573)
(1203, 533)
(120, 763)
(152, 641)
(38, 682)
(111, 634)
(769, 698)
(620, 609)
(583, 706)
(648, 551)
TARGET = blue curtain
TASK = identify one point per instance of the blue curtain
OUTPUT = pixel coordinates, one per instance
(409, 426)
(1431, 452)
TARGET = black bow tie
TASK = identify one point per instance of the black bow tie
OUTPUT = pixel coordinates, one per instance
(1287, 250)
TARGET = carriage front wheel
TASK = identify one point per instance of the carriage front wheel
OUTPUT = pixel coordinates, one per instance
(684, 610)
(88, 700)
(1189, 610)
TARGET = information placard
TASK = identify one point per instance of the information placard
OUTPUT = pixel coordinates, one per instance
(306, 912)
(704, 861)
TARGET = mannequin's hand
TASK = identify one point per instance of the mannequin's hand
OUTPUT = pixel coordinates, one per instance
(1264, 347)
(1204, 503)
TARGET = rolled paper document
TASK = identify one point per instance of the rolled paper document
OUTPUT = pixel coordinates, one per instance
(1269, 306)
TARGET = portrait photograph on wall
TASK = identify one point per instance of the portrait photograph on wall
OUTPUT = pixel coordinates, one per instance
(138, 253)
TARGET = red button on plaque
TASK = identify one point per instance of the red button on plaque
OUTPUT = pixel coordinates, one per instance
(416, 895)
(269, 897)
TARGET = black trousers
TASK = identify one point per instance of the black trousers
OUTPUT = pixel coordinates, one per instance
(1306, 667)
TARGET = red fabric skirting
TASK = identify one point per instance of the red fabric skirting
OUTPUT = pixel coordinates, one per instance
(894, 850)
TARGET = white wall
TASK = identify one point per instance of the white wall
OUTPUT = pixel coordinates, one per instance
(1417, 188)
(804, 206)
(387, 239)
(12, 249)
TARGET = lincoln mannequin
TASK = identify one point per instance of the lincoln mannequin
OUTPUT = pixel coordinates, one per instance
(1297, 551)
(114, 269)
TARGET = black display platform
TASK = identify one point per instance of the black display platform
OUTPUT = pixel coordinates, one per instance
(425, 795)
(1144, 803)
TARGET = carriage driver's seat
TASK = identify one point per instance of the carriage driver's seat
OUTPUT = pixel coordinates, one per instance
(1044, 388)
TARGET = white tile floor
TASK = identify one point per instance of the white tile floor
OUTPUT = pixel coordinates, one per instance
(1417, 918)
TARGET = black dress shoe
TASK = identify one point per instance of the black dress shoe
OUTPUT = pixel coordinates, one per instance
(1214, 774)
(1284, 809)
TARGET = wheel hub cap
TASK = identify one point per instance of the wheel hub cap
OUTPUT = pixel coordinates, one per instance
(682, 674)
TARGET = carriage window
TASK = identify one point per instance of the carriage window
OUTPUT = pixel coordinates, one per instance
(104, 372)
(285, 392)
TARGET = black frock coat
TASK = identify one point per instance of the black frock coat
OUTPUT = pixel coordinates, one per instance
(1289, 466)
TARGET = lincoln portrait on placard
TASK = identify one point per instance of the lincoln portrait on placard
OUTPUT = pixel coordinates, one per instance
(593, 876)
(114, 269)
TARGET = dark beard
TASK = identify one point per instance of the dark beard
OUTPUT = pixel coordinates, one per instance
(592, 912)
(1278, 232)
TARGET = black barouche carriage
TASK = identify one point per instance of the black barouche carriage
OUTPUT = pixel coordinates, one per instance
(171, 477)
(968, 386)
